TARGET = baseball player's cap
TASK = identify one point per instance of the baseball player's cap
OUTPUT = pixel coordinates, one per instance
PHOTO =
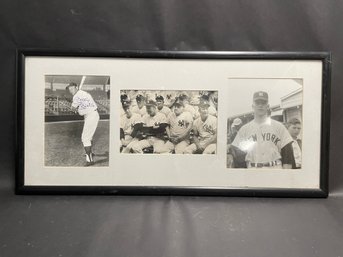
(178, 102)
(159, 98)
(126, 104)
(204, 97)
(204, 104)
(260, 95)
(71, 84)
(124, 97)
(150, 103)
(236, 122)
(183, 97)
(140, 98)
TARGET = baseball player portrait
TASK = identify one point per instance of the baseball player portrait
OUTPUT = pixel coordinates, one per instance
(263, 142)
(205, 132)
(77, 113)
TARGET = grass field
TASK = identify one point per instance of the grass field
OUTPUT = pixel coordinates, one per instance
(63, 146)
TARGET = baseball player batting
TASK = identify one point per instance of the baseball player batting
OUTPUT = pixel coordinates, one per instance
(180, 124)
(205, 132)
(265, 142)
(84, 104)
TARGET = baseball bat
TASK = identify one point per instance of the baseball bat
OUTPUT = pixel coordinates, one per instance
(82, 81)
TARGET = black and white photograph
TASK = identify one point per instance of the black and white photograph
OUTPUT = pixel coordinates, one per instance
(264, 129)
(77, 111)
(168, 121)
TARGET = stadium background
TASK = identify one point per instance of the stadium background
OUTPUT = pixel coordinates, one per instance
(63, 128)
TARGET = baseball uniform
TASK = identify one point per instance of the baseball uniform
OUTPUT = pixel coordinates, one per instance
(179, 128)
(151, 139)
(140, 111)
(262, 142)
(205, 129)
(87, 108)
(165, 110)
(127, 124)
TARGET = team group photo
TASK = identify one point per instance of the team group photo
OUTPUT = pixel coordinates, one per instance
(168, 122)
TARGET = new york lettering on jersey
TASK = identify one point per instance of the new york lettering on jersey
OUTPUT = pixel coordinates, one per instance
(262, 142)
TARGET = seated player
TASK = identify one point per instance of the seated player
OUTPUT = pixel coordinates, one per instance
(205, 132)
(180, 125)
(130, 124)
(154, 128)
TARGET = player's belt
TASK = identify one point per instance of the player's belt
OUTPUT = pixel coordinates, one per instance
(265, 164)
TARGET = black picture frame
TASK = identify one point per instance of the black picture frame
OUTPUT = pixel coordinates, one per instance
(320, 192)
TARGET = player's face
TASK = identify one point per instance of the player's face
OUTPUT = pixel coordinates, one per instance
(294, 130)
(203, 112)
(159, 104)
(178, 109)
(151, 110)
(72, 90)
(128, 112)
(260, 107)
(140, 104)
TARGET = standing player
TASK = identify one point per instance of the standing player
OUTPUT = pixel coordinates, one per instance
(140, 108)
(294, 128)
(154, 127)
(180, 125)
(205, 132)
(84, 104)
(160, 106)
(265, 142)
(130, 124)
